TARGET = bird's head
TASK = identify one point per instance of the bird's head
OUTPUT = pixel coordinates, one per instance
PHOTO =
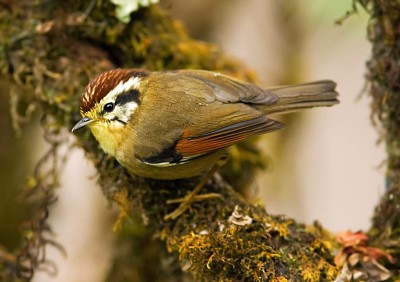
(111, 98)
(109, 101)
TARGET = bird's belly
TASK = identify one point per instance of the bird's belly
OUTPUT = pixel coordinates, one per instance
(188, 169)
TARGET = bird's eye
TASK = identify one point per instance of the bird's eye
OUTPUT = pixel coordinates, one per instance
(109, 107)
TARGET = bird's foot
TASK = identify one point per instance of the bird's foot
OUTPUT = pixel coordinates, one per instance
(186, 201)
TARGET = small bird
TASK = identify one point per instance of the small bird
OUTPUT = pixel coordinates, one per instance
(179, 124)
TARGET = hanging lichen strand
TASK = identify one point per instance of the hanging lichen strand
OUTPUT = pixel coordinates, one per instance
(384, 81)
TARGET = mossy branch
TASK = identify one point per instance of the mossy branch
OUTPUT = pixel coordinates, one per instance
(384, 81)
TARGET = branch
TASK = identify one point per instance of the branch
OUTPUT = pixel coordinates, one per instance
(384, 81)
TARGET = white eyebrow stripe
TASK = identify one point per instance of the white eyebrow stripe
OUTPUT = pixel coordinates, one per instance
(132, 83)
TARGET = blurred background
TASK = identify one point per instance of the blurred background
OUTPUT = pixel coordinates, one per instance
(325, 165)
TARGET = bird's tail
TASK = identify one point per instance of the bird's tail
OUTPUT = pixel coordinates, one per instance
(295, 97)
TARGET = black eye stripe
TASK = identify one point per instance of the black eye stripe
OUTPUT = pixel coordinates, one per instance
(129, 96)
(121, 121)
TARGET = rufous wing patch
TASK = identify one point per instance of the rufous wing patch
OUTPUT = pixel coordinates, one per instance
(192, 146)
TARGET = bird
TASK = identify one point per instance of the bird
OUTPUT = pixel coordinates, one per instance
(179, 124)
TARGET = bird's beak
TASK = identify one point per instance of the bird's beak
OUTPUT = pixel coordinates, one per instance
(83, 122)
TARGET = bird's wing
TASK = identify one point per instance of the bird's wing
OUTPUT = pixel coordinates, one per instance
(229, 90)
(190, 146)
(223, 137)
(224, 115)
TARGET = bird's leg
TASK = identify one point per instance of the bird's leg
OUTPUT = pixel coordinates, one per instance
(192, 196)
(197, 198)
